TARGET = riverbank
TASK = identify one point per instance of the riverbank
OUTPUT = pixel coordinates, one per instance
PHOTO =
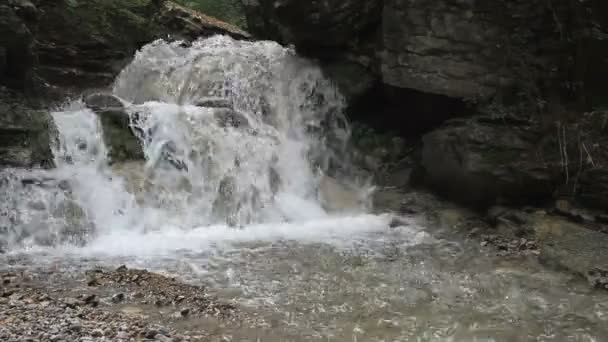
(104, 305)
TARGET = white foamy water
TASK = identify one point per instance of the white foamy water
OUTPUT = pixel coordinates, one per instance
(238, 137)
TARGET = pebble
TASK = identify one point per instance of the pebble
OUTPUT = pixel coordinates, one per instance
(43, 314)
(117, 298)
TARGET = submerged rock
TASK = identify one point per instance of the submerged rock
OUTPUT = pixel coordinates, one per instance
(337, 197)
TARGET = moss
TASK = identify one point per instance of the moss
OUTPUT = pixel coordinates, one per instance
(230, 11)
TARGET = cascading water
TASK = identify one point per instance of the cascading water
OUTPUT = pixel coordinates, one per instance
(239, 139)
(233, 132)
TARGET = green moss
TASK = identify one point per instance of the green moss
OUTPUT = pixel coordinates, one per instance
(230, 11)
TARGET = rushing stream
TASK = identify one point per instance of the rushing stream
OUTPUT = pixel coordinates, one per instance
(249, 208)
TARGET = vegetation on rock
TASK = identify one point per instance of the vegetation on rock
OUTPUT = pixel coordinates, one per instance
(230, 11)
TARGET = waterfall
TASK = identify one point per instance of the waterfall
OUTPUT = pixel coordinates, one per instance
(234, 134)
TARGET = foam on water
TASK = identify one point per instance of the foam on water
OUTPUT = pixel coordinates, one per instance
(204, 181)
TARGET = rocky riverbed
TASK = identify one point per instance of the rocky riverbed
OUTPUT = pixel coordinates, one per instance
(104, 305)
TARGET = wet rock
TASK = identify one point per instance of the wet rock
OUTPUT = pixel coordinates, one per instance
(91, 300)
(169, 153)
(72, 302)
(388, 200)
(185, 23)
(593, 190)
(274, 179)
(230, 118)
(92, 281)
(117, 298)
(215, 102)
(103, 102)
(311, 24)
(397, 222)
(571, 246)
(25, 133)
(118, 134)
(337, 197)
(481, 161)
(225, 203)
(17, 44)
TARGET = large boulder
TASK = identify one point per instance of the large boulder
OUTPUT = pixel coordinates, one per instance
(484, 160)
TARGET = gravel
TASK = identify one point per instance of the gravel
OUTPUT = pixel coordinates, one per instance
(96, 308)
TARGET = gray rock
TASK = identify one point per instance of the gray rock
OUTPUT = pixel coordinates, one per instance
(593, 189)
(571, 246)
(118, 133)
(230, 118)
(215, 102)
(117, 298)
(483, 161)
(25, 133)
(103, 102)
(17, 42)
(333, 23)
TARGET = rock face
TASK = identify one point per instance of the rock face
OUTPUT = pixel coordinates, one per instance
(341, 33)
(484, 160)
(16, 48)
(52, 48)
(313, 24)
(463, 48)
(508, 51)
(25, 133)
(75, 45)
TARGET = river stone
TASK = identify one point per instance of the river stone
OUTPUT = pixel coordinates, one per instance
(573, 247)
(118, 135)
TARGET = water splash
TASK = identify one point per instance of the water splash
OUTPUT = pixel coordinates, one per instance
(234, 133)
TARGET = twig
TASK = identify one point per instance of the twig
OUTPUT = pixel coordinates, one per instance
(589, 158)
(565, 147)
(580, 165)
